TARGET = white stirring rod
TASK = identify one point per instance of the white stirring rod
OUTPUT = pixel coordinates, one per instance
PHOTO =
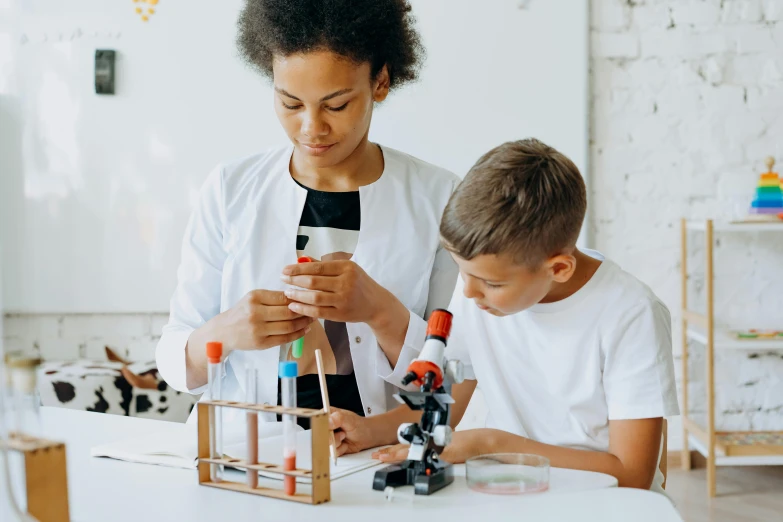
(325, 399)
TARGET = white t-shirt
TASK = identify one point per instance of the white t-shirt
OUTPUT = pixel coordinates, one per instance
(558, 372)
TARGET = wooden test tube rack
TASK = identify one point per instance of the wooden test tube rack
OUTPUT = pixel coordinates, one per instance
(46, 476)
(319, 474)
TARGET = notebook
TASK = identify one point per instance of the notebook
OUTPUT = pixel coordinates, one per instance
(270, 450)
(176, 445)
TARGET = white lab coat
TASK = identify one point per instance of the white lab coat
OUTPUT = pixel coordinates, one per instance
(243, 232)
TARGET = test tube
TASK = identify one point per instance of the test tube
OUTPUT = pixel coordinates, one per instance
(214, 376)
(252, 428)
(298, 346)
(287, 372)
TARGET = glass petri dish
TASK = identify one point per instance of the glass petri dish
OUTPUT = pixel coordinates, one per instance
(508, 473)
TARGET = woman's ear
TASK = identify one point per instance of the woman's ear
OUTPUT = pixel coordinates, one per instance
(381, 85)
(562, 267)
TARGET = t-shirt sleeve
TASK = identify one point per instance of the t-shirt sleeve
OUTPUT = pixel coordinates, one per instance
(638, 367)
(462, 330)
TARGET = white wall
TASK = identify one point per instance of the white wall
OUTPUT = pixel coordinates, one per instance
(687, 102)
(98, 189)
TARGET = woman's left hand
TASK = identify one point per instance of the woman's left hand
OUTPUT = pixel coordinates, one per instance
(337, 291)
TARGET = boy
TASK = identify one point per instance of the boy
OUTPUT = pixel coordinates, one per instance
(573, 354)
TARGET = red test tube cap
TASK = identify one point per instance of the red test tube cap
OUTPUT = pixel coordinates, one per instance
(214, 351)
(305, 259)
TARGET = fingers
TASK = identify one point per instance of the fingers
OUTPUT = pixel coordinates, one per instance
(313, 282)
(313, 298)
(335, 420)
(268, 297)
(321, 312)
(342, 449)
(341, 420)
(278, 313)
(275, 340)
(344, 420)
(287, 327)
(396, 453)
(340, 444)
(323, 268)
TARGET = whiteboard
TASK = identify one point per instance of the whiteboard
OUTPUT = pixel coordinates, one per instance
(95, 191)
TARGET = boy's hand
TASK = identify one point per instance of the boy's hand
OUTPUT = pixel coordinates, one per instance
(352, 433)
(464, 445)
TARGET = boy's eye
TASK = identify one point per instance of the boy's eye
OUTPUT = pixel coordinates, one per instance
(492, 285)
(338, 109)
(290, 107)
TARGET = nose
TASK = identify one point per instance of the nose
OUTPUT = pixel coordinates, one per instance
(313, 125)
(470, 289)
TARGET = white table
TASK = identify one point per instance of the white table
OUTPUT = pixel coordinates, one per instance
(105, 489)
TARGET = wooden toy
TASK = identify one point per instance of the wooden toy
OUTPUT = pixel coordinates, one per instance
(46, 480)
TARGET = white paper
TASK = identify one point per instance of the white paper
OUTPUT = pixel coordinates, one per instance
(270, 451)
(177, 445)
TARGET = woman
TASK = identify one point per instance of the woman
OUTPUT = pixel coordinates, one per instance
(368, 214)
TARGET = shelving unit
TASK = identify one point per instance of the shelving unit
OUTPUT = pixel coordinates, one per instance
(720, 448)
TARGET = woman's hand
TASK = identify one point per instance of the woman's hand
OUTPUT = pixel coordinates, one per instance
(341, 291)
(335, 290)
(260, 320)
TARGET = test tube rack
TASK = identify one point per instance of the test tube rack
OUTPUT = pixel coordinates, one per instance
(46, 477)
(319, 474)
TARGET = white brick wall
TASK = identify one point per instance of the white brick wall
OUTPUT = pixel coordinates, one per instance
(73, 336)
(681, 130)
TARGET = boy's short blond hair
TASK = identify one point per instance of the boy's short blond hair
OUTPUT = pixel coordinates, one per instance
(523, 198)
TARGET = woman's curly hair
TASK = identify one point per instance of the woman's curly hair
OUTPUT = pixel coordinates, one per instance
(380, 32)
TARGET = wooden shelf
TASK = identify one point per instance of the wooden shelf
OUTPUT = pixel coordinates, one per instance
(725, 341)
(749, 443)
(738, 448)
(736, 460)
(724, 226)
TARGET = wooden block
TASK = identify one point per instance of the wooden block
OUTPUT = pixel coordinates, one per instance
(321, 465)
(203, 441)
(46, 476)
(47, 484)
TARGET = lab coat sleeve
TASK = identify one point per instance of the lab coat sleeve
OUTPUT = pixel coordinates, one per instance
(441, 287)
(196, 298)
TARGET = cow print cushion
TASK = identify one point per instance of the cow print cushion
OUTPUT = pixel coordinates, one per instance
(101, 387)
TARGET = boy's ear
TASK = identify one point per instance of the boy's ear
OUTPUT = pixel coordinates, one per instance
(562, 267)
(382, 82)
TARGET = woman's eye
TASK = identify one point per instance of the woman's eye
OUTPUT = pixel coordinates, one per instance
(290, 107)
(338, 109)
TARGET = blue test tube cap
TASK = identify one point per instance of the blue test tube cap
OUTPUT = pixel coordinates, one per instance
(287, 369)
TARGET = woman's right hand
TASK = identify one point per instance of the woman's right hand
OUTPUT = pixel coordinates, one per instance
(260, 320)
